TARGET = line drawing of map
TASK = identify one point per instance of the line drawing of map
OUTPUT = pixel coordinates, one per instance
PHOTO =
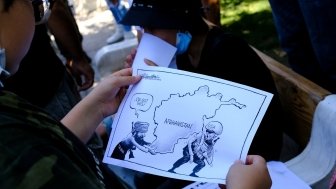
(177, 112)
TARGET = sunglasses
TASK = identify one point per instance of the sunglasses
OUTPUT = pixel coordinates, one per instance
(41, 10)
(209, 131)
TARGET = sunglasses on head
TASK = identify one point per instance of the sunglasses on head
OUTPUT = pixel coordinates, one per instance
(41, 10)
(210, 131)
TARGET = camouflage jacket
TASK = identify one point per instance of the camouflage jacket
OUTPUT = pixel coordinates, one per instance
(39, 152)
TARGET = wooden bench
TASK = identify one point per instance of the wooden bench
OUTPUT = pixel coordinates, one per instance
(312, 113)
(299, 97)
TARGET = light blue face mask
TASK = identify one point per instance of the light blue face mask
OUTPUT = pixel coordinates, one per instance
(2, 58)
(3, 73)
(172, 64)
(182, 42)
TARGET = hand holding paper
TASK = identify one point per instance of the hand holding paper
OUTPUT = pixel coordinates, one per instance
(154, 49)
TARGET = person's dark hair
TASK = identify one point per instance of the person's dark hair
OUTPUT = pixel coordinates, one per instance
(7, 4)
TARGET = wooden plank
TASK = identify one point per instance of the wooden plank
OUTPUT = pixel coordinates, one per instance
(299, 97)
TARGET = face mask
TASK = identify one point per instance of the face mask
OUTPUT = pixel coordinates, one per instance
(173, 63)
(182, 42)
(2, 59)
(3, 73)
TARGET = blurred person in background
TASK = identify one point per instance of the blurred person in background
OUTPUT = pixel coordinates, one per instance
(306, 31)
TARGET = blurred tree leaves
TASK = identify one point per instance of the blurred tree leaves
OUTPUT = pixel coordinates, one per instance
(252, 20)
(230, 3)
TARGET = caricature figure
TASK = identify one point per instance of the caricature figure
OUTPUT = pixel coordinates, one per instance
(200, 147)
(133, 141)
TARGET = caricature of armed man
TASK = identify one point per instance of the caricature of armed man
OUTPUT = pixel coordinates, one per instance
(200, 147)
(133, 141)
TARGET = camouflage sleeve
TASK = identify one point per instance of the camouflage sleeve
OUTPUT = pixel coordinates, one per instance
(44, 167)
(38, 152)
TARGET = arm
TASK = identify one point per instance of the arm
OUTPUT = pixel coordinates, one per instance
(210, 153)
(253, 175)
(150, 149)
(137, 145)
(104, 100)
(209, 156)
(190, 141)
(64, 28)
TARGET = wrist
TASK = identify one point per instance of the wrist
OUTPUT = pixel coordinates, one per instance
(82, 57)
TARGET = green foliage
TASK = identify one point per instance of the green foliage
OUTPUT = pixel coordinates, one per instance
(252, 19)
(231, 3)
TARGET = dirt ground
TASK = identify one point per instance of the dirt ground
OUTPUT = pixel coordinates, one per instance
(95, 27)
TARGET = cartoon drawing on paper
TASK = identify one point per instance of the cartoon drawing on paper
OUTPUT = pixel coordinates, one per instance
(141, 102)
(182, 126)
(164, 142)
(133, 141)
(200, 147)
(206, 121)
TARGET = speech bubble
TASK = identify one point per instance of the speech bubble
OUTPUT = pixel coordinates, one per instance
(141, 102)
